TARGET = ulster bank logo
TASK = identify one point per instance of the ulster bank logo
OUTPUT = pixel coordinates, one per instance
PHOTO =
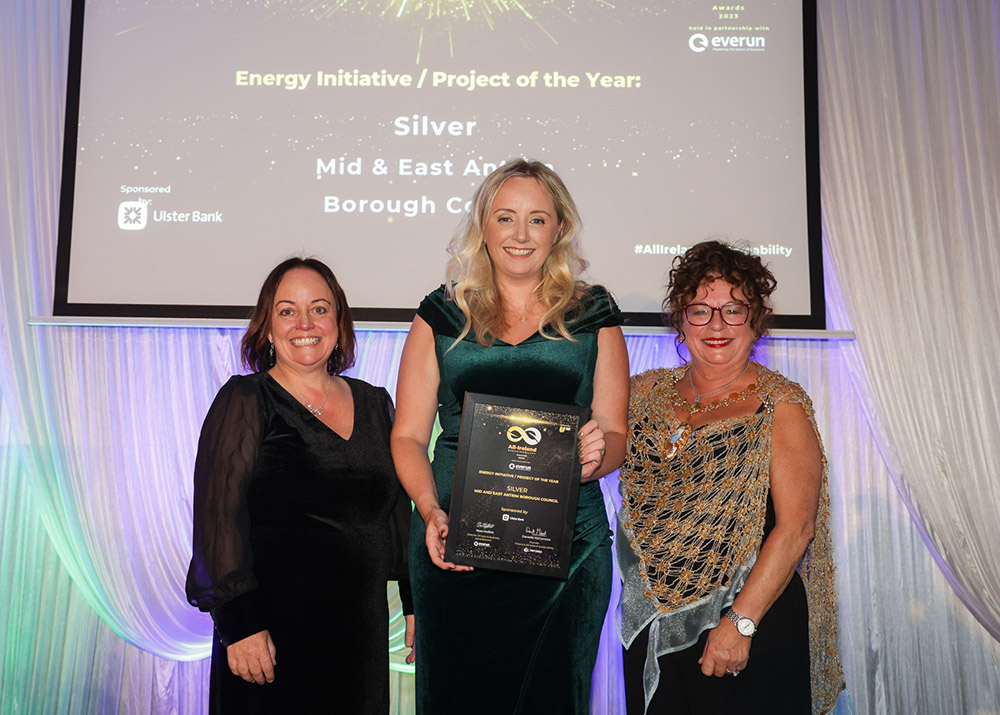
(531, 435)
(132, 215)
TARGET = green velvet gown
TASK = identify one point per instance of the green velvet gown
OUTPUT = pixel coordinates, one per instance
(492, 641)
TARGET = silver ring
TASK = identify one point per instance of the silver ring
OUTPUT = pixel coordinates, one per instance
(733, 673)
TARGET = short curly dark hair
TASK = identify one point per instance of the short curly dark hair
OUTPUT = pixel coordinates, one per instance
(255, 348)
(713, 259)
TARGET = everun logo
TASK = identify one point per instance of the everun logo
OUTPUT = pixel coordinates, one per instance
(132, 215)
(698, 42)
(726, 43)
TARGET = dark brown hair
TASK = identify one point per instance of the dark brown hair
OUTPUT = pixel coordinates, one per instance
(255, 348)
(707, 261)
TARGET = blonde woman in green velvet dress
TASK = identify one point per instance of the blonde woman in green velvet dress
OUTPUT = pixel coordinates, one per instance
(513, 320)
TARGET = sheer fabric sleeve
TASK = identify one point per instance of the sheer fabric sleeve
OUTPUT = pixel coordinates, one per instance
(399, 533)
(220, 578)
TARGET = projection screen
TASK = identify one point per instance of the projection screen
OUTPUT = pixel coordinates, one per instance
(206, 141)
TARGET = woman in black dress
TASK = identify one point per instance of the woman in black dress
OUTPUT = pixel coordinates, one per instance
(299, 519)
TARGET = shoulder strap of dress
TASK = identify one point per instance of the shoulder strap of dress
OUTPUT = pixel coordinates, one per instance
(600, 310)
(441, 313)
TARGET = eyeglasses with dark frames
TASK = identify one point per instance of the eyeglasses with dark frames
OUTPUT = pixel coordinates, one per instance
(734, 314)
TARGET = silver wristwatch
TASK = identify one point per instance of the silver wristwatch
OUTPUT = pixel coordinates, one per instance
(744, 625)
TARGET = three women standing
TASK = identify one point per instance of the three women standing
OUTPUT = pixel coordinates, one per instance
(723, 489)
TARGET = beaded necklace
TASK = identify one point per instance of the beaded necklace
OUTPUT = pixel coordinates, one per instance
(682, 434)
(697, 397)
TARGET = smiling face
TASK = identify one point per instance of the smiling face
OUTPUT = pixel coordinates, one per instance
(719, 344)
(521, 228)
(303, 321)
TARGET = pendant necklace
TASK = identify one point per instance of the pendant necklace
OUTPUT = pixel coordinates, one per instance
(697, 397)
(522, 316)
(315, 411)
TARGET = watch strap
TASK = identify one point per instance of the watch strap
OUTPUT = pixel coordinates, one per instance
(736, 618)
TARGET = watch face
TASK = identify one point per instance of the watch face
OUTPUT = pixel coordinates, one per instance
(746, 627)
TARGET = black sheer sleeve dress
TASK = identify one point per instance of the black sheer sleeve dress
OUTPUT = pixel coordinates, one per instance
(296, 530)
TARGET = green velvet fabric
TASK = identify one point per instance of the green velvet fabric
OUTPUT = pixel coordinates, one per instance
(490, 641)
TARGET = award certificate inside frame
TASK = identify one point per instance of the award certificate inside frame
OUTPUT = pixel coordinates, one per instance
(516, 484)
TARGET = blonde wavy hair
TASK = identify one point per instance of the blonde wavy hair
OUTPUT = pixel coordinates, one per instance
(471, 282)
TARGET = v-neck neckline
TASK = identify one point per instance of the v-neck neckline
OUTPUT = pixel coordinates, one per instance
(354, 407)
(514, 345)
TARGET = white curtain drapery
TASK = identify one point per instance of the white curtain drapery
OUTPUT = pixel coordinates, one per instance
(911, 202)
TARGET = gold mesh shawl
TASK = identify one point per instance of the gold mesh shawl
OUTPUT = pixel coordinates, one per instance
(695, 523)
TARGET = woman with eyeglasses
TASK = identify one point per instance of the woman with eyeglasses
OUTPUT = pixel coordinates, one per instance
(723, 543)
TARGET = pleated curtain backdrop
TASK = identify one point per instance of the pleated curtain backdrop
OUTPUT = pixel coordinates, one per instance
(98, 425)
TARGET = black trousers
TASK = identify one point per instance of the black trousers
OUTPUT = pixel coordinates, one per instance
(775, 681)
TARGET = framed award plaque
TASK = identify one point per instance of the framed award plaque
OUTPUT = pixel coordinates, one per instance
(517, 479)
